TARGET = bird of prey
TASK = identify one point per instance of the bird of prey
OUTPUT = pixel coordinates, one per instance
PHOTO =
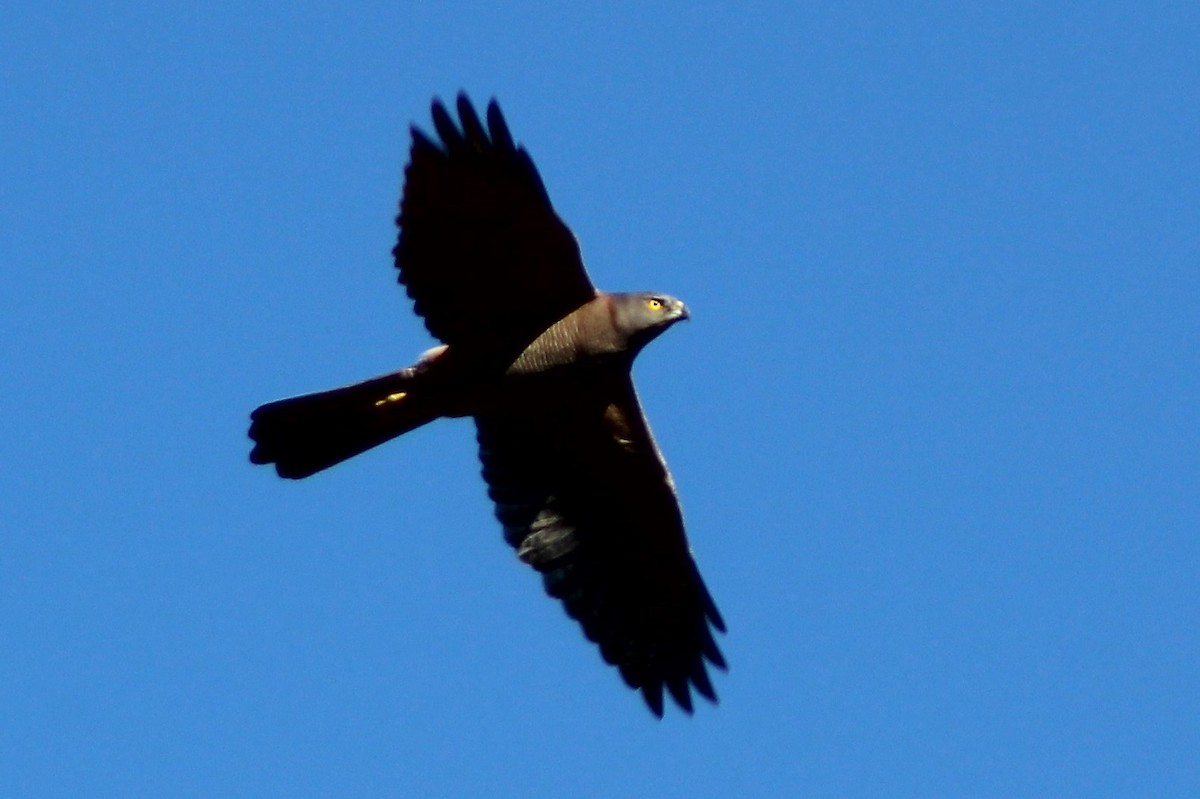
(541, 360)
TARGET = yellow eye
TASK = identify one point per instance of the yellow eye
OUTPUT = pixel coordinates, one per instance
(654, 304)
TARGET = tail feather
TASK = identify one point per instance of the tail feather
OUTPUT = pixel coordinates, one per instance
(304, 435)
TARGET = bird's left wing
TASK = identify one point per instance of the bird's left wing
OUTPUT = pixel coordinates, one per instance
(586, 499)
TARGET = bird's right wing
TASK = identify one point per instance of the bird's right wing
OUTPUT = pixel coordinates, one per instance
(481, 250)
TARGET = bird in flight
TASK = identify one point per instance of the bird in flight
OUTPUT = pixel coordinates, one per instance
(541, 360)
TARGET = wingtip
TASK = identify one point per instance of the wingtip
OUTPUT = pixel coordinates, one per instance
(444, 124)
(678, 688)
(473, 129)
(712, 652)
(653, 694)
(418, 134)
(701, 681)
(501, 136)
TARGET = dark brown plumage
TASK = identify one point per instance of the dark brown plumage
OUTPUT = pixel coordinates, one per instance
(541, 360)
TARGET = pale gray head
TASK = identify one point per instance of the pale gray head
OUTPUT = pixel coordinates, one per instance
(643, 316)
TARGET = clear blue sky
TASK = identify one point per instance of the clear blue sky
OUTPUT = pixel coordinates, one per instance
(934, 421)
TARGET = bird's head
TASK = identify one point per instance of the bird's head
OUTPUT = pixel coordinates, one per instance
(643, 316)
